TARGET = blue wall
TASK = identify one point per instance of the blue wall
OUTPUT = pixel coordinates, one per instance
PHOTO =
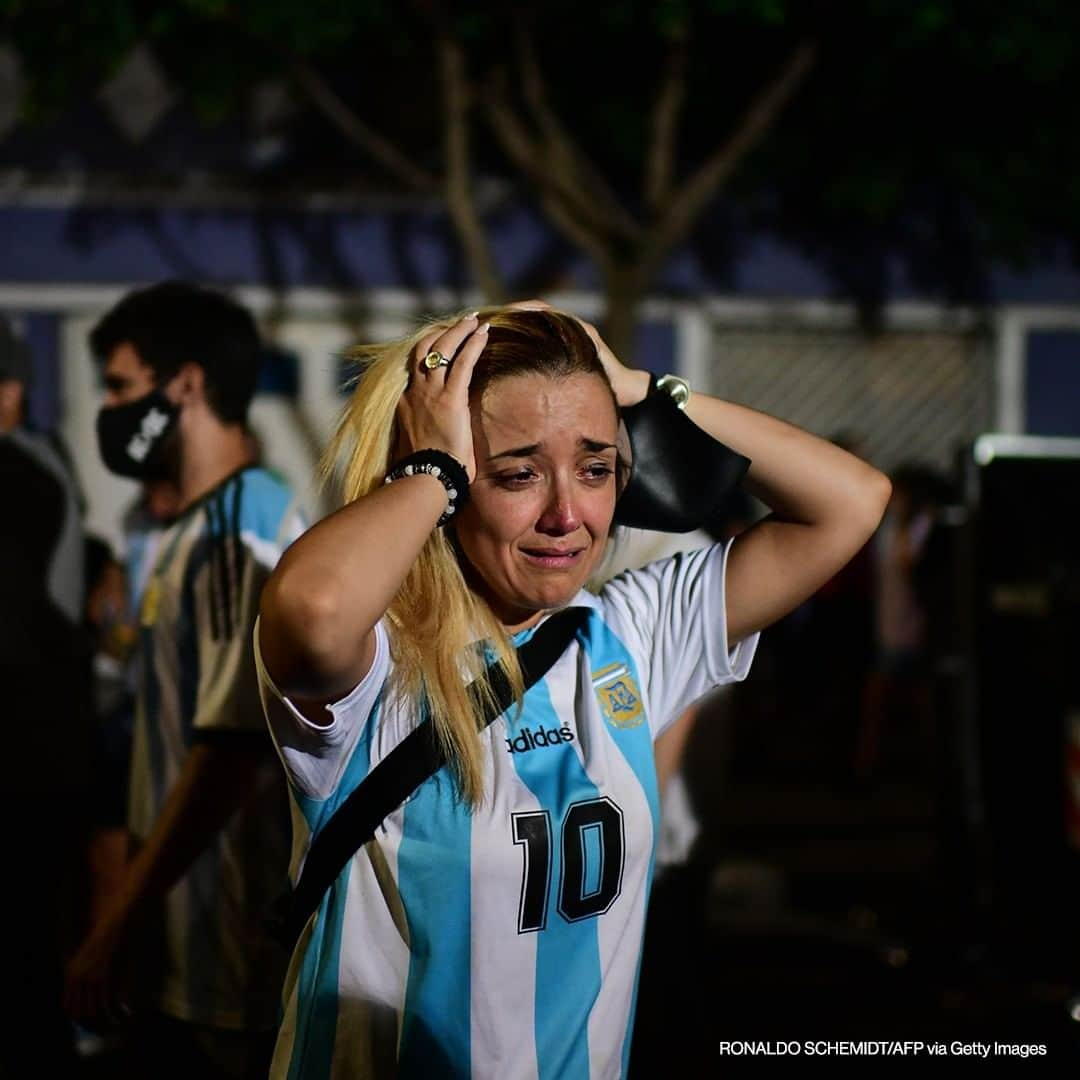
(406, 249)
(1053, 382)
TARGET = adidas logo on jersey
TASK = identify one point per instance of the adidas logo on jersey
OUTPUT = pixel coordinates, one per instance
(531, 740)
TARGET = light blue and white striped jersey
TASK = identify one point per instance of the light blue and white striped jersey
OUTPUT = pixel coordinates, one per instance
(197, 681)
(503, 942)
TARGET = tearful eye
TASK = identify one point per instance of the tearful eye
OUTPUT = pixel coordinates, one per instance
(600, 470)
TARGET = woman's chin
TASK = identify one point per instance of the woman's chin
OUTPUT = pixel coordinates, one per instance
(556, 595)
(528, 604)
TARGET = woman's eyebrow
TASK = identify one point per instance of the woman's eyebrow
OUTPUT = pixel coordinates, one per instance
(520, 451)
(593, 445)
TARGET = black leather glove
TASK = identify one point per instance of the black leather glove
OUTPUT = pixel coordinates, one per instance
(680, 477)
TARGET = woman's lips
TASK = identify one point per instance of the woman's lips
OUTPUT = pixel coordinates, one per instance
(553, 558)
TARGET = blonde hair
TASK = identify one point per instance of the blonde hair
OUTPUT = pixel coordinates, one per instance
(437, 625)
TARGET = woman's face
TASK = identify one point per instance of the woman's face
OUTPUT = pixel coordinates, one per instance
(540, 508)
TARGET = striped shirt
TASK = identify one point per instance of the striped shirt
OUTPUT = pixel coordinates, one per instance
(502, 942)
(197, 681)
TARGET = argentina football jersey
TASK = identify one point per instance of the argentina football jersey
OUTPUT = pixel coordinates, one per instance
(197, 683)
(501, 941)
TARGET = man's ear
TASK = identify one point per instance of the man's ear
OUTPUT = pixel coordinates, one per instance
(190, 380)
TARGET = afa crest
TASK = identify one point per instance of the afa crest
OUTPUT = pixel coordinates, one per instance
(620, 698)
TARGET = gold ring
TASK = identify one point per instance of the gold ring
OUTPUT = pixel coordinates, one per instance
(435, 359)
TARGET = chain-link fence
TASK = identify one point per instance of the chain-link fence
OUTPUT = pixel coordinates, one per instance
(905, 395)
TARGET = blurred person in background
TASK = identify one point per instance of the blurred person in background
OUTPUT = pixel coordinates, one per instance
(113, 634)
(898, 693)
(492, 925)
(45, 673)
(114, 595)
(838, 620)
(182, 946)
(841, 624)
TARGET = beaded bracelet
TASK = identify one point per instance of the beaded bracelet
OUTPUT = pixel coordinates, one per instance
(445, 468)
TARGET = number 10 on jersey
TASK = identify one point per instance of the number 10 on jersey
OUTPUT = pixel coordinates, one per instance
(591, 868)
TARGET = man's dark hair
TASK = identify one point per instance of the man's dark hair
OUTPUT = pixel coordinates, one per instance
(175, 323)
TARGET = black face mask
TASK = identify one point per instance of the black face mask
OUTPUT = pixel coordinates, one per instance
(131, 437)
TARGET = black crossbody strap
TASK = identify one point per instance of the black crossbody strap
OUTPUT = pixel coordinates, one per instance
(417, 757)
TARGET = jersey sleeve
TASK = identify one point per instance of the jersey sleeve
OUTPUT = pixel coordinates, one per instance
(671, 614)
(315, 755)
(224, 587)
(225, 600)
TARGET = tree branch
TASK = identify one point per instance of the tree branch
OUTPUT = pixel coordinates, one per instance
(358, 133)
(685, 206)
(458, 185)
(582, 183)
(529, 158)
(663, 126)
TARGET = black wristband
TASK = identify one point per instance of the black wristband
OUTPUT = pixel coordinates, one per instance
(445, 468)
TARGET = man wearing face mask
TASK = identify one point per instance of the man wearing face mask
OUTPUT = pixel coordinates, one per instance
(183, 947)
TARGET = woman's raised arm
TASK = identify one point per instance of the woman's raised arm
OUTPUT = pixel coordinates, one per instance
(322, 602)
(825, 502)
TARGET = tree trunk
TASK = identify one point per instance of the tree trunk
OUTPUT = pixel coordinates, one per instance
(624, 290)
(458, 179)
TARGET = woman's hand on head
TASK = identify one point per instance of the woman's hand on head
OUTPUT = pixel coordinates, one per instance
(630, 385)
(433, 413)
